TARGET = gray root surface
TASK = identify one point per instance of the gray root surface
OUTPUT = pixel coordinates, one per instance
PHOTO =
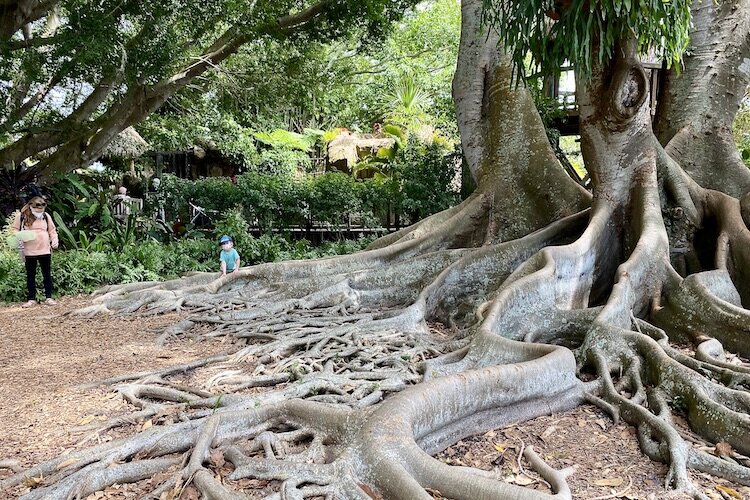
(348, 374)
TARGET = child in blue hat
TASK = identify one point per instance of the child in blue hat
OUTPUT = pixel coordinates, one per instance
(230, 259)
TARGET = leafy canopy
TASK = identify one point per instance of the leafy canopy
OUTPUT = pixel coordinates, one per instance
(556, 32)
(349, 82)
(148, 42)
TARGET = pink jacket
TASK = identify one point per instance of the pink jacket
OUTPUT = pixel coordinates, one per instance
(46, 235)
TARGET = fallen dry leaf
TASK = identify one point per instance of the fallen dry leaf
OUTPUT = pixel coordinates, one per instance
(33, 482)
(87, 420)
(729, 491)
(723, 449)
(147, 424)
(190, 493)
(252, 483)
(66, 463)
(216, 457)
(520, 480)
(615, 481)
(548, 432)
(501, 447)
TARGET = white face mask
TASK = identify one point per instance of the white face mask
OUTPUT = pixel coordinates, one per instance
(37, 214)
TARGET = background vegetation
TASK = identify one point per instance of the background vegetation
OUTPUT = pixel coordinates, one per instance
(742, 130)
(97, 249)
(354, 82)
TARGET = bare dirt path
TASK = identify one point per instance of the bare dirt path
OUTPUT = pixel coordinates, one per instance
(44, 356)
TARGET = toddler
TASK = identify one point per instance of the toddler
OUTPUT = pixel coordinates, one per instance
(230, 259)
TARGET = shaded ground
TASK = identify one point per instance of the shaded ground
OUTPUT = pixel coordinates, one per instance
(44, 356)
(608, 462)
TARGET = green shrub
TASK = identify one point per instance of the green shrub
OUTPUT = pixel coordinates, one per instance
(12, 277)
(236, 227)
(333, 196)
(342, 247)
(83, 271)
(266, 248)
(417, 182)
(191, 255)
(284, 139)
(282, 162)
(424, 174)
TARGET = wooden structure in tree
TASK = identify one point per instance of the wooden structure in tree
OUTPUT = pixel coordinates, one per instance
(562, 88)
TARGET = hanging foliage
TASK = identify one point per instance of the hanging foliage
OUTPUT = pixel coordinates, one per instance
(581, 32)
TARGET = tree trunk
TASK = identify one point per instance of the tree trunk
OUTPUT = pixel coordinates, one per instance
(699, 102)
(503, 138)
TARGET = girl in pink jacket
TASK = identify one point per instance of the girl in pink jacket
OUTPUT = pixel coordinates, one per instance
(39, 250)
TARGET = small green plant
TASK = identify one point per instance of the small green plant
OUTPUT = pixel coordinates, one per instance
(679, 404)
(284, 139)
(217, 404)
(741, 130)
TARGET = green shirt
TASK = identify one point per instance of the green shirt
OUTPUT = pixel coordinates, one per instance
(229, 257)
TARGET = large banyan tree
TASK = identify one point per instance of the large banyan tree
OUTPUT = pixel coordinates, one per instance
(342, 386)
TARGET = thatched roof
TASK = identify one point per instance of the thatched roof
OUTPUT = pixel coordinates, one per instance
(349, 149)
(128, 145)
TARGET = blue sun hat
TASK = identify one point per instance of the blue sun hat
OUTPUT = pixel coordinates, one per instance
(224, 239)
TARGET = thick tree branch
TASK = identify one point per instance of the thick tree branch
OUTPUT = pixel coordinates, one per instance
(14, 14)
(141, 101)
(33, 42)
(20, 112)
(35, 142)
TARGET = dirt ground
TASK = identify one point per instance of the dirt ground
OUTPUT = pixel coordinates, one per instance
(44, 356)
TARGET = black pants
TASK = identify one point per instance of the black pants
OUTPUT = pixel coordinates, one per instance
(45, 262)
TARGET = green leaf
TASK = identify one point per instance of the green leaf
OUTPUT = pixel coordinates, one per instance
(386, 153)
(73, 179)
(63, 229)
(284, 139)
(84, 239)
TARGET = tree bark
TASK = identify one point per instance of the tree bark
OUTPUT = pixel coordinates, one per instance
(699, 102)
(503, 138)
(14, 14)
